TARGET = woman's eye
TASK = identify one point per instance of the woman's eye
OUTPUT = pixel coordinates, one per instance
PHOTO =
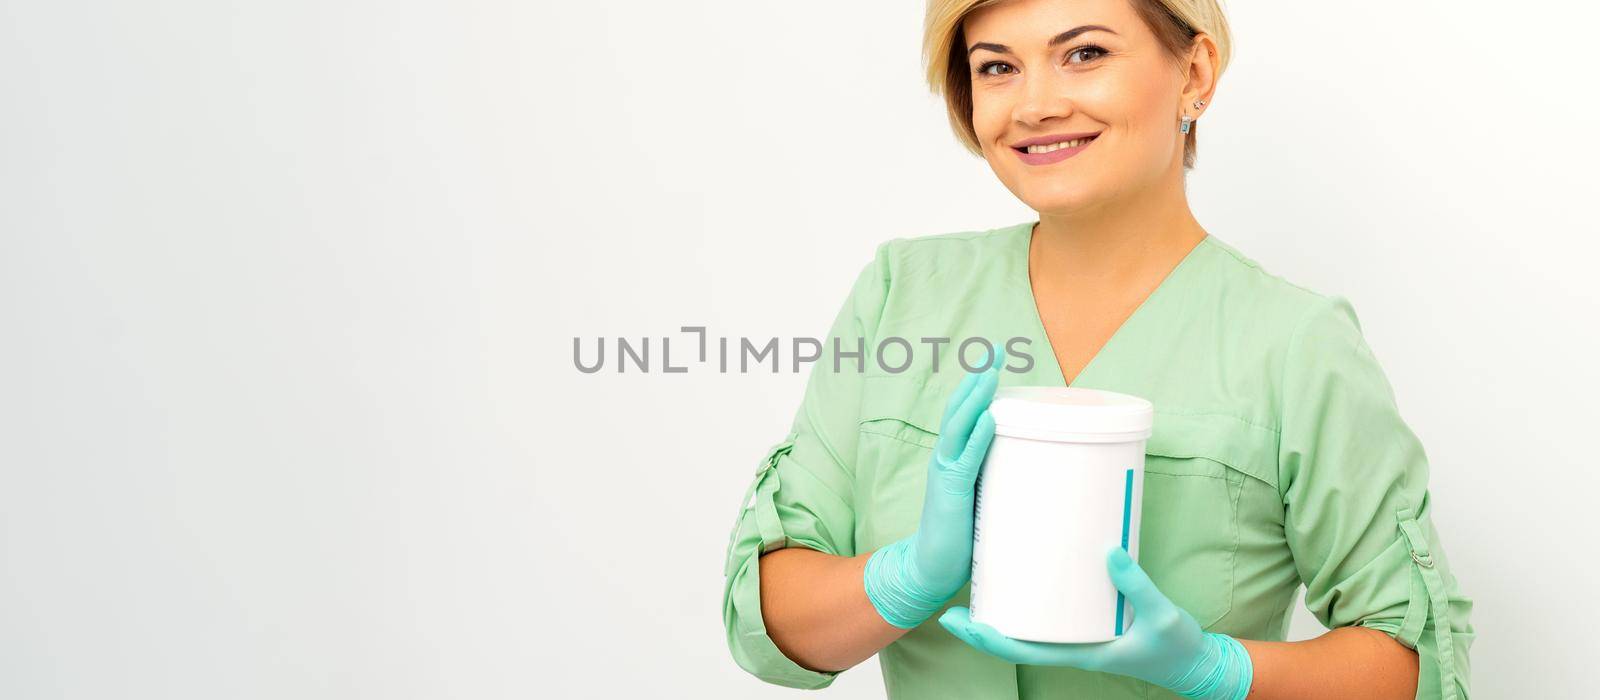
(1085, 54)
(995, 68)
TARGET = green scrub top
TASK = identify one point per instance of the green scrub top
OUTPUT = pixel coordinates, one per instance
(1278, 458)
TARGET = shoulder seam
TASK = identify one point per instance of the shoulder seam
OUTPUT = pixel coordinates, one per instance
(1283, 367)
(1263, 271)
(954, 235)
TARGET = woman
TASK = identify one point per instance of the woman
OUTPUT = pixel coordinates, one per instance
(1278, 457)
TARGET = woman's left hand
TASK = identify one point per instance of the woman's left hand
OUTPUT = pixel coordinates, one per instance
(1164, 645)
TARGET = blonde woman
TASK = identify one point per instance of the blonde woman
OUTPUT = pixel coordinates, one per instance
(1279, 457)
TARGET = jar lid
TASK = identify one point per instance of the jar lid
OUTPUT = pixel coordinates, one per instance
(1071, 414)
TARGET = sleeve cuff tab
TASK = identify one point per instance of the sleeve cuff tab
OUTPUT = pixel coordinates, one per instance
(1428, 600)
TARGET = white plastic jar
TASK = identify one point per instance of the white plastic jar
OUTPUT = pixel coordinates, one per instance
(1060, 486)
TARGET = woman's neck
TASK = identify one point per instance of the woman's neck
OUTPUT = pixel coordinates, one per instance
(1119, 241)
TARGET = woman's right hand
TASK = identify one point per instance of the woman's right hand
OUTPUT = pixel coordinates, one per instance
(909, 580)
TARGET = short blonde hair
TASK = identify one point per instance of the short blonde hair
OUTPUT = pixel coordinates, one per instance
(1174, 22)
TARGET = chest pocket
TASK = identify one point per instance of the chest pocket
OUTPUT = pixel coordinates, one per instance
(1195, 469)
(899, 428)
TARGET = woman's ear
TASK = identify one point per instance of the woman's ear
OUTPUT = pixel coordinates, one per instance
(1201, 72)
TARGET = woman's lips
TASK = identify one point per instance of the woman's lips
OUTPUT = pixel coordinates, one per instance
(1059, 154)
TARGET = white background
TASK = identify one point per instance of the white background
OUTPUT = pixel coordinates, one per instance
(288, 291)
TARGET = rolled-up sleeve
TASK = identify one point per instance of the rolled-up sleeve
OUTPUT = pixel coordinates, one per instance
(1358, 515)
(801, 493)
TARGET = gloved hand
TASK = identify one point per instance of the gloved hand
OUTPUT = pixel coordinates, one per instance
(909, 580)
(1165, 645)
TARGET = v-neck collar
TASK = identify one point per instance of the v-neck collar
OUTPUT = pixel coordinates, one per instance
(1048, 365)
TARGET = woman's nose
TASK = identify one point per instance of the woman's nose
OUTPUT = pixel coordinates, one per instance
(1042, 99)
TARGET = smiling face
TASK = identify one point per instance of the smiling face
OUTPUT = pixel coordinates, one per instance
(1075, 103)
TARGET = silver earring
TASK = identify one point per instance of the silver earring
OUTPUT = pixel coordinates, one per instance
(1198, 104)
(1184, 127)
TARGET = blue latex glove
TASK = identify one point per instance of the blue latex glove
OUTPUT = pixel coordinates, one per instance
(909, 580)
(1164, 646)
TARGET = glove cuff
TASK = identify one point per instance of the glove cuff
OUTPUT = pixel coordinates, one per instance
(1223, 671)
(893, 590)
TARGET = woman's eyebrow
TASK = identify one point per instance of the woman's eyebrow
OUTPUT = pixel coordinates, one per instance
(1057, 40)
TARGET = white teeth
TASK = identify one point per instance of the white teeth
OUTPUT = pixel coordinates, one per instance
(1048, 147)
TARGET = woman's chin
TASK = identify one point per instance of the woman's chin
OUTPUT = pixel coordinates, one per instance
(1060, 201)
